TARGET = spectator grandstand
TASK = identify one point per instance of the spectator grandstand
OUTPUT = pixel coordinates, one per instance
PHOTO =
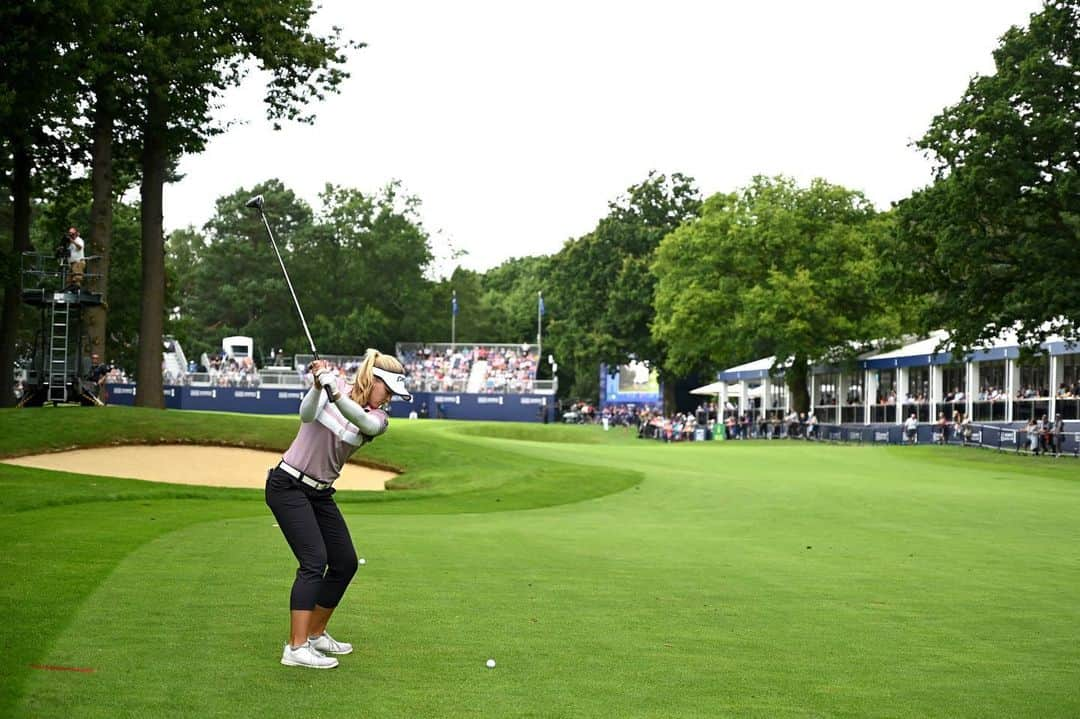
(488, 368)
(476, 369)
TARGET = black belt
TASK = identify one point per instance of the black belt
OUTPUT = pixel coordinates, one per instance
(306, 479)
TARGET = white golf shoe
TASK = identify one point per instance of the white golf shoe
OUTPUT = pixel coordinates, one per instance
(306, 656)
(326, 643)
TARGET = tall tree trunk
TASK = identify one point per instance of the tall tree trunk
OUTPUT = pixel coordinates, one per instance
(152, 319)
(20, 234)
(669, 397)
(101, 217)
(798, 382)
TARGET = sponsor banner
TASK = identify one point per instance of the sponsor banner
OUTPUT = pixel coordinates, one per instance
(124, 394)
(491, 407)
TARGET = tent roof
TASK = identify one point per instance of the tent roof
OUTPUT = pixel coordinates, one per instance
(758, 369)
(923, 352)
(709, 389)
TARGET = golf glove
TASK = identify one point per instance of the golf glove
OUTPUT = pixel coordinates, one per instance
(325, 378)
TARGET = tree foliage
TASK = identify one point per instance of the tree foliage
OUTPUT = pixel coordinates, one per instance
(189, 54)
(988, 242)
(357, 266)
(36, 96)
(602, 283)
(772, 269)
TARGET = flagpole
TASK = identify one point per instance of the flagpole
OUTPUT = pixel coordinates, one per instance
(453, 321)
(539, 331)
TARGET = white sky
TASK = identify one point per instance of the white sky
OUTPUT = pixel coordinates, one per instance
(515, 123)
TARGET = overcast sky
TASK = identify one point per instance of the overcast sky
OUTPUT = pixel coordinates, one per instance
(516, 123)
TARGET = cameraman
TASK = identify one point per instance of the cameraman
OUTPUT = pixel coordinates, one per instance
(99, 372)
(76, 258)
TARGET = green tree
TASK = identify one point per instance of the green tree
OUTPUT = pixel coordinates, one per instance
(988, 243)
(357, 267)
(36, 97)
(773, 269)
(375, 246)
(109, 89)
(233, 283)
(189, 53)
(602, 294)
(510, 298)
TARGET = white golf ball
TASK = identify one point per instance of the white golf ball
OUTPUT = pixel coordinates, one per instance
(361, 561)
(490, 663)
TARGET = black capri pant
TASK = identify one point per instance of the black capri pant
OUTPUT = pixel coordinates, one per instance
(316, 533)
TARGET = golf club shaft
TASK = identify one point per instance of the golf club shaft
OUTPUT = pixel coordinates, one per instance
(289, 283)
(307, 332)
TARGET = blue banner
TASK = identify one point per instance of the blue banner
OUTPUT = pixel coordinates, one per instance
(446, 405)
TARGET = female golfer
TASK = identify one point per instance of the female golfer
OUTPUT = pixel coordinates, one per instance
(335, 421)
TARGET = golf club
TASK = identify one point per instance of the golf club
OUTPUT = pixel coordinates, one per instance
(257, 203)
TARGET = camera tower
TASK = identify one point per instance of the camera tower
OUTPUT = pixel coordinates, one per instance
(60, 366)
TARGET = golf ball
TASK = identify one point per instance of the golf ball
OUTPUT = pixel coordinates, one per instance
(490, 663)
(361, 561)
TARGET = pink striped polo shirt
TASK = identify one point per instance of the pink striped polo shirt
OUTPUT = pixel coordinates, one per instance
(320, 453)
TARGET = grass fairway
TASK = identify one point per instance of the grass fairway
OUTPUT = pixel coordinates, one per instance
(607, 577)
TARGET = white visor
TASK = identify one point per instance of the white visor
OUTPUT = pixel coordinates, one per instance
(395, 382)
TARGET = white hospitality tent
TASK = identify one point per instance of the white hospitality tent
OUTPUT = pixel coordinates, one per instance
(735, 382)
(991, 383)
(716, 388)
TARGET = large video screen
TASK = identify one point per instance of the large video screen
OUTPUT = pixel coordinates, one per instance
(635, 382)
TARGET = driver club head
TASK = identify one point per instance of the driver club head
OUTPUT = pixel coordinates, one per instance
(256, 202)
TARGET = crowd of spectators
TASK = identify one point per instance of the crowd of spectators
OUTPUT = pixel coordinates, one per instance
(346, 369)
(115, 375)
(651, 423)
(432, 370)
(227, 371)
(774, 425)
(509, 369)
(1067, 390)
(989, 393)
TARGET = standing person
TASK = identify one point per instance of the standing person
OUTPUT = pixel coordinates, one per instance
(911, 429)
(1046, 435)
(76, 259)
(943, 428)
(1032, 431)
(299, 491)
(1059, 434)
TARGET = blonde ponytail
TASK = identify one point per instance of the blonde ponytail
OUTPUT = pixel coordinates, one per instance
(365, 378)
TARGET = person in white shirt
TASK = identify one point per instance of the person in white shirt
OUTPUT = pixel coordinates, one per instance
(911, 429)
(76, 258)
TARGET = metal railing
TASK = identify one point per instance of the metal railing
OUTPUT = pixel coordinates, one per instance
(42, 271)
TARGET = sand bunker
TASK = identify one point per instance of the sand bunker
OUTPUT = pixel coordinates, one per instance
(187, 464)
